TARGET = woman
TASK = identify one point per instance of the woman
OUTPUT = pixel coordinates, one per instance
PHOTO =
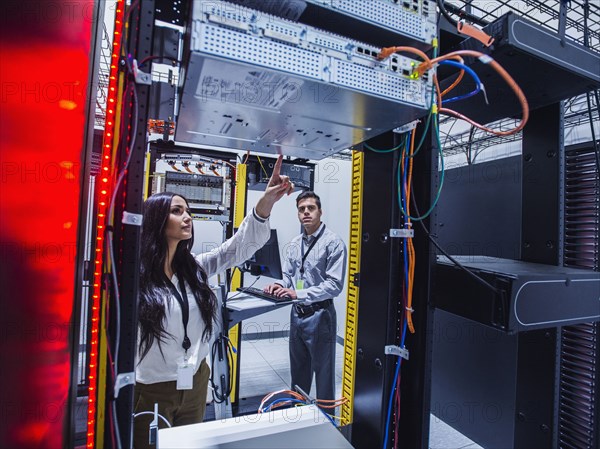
(177, 308)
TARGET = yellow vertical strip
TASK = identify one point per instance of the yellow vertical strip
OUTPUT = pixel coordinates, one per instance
(103, 340)
(146, 175)
(353, 290)
(102, 373)
(239, 212)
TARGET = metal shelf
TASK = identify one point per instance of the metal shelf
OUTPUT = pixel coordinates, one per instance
(542, 12)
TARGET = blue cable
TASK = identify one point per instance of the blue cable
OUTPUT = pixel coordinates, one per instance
(473, 75)
(466, 68)
(404, 200)
(389, 414)
(402, 192)
(328, 417)
(462, 97)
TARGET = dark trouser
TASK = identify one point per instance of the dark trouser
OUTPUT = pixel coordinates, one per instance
(312, 350)
(179, 407)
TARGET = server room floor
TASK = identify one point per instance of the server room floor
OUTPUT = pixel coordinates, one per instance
(265, 368)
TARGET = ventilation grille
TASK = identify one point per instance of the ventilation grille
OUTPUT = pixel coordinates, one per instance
(582, 210)
(262, 52)
(579, 355)
(407, 17)
(578, 386)
(376, 82)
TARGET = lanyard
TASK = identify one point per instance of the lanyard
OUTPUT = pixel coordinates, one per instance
(185, 311)
(305, 255)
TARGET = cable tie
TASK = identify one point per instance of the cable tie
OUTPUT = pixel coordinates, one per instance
(410, 309)
(474, 32)
(485, 59)
(482, 87)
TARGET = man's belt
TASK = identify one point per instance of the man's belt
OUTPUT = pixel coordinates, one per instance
(306, 310)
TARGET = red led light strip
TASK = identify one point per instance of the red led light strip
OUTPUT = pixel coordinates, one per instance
(105, 187)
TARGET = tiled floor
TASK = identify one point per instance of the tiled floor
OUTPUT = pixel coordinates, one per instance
(265, 368)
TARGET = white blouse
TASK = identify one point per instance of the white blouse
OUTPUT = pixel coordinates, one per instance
(252, 234)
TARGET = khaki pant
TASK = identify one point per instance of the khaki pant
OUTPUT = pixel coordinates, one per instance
(179, 407)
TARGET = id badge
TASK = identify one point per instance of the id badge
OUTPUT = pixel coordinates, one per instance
(185, 376)
(299, 284)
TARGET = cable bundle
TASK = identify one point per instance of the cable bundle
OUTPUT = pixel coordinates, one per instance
(291, 397)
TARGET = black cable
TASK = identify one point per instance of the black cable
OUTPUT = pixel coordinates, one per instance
(445, 13)
(452, 259)
(151, 58)
(239, 292)
(218, 397)
(452, 9)
(221, 397)
(470, 160)
(230, 365)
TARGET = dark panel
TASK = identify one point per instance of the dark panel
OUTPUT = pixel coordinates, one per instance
(165, 51)
(480, 209)
(162, 102)
(474, 379)
(542, 153)
(488, 384)
(535, 393)
(542, 240)
(171, 11)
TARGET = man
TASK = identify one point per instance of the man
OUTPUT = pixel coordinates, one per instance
(313, 272)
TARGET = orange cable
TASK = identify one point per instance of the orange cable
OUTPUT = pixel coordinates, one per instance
(457, 80)
(486, 59)
(228, 163)
(461, 74)
(410, 246)
(507, 78)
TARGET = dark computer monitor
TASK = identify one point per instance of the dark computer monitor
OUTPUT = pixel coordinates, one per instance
(266, 261)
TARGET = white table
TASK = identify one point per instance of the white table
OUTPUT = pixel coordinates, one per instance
(297, 427)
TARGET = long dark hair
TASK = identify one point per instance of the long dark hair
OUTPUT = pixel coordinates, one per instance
(154, 282)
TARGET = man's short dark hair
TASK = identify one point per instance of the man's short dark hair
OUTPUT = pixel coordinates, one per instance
(308, 194)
